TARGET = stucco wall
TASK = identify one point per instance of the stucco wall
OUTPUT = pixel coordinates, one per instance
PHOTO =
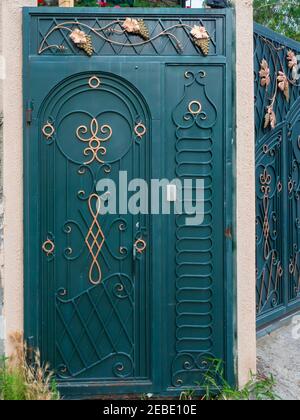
(1, 230)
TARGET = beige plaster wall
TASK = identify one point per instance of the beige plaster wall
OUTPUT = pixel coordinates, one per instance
(13, 222)
(13, 169)
(245, 211)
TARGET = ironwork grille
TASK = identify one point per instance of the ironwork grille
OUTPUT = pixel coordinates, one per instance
(277, 130)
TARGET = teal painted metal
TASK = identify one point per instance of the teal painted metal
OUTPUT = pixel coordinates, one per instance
(155, 318)
(277, 185)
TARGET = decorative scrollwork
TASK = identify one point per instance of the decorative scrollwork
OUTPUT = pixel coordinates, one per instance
(198, 34)
(282, 80)
(48, 247)
(82, 41)
(94, 240)
(266, 180)
(294, 269)
(201, 38)
(191, 124)
(189, 365)
(95, 142)
(136, 27)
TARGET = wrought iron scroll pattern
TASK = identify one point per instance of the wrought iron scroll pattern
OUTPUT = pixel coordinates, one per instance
(277, 169)
(95, 324)
(94, 135)
(95, 239)
(269, 193)
(109, 36)
(95, 147)
(276, 57)
(192, 353)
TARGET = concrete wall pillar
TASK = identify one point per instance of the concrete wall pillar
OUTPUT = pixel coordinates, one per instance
(2, 69)
(12, 50)
(245, 192)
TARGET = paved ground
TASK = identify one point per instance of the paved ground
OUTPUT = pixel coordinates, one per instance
(279, 354)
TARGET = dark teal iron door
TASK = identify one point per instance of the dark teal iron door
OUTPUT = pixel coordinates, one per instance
(277, 176)
(121, 301)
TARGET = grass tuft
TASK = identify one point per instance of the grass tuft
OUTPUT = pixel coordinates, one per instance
(259, 388)
(22, 381)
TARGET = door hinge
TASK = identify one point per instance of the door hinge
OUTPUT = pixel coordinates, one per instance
(228, 232)
(28, 113)
(30, 350)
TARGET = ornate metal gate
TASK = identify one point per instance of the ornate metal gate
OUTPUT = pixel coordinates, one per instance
(127, 303)
(277, 113)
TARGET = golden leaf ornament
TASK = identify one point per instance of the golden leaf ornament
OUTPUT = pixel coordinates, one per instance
(136, 27)
(201, 38)
(293, 63)
(264, 74)
(270, 118)
(283, 85)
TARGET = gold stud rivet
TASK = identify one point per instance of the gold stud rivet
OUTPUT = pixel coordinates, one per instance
(94, 82)
(195, 107)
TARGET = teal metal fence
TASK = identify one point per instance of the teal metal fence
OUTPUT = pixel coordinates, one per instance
(277, 129)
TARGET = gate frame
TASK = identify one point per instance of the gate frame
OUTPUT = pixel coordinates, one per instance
(242, 234)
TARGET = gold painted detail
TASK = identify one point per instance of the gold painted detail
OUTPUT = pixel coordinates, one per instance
(267, 278)
(140, 246)
(48, 130)
(140, 130)
(188, 74)
(95, 240)
(201, 38)
(48, 247)
(94, 82)
(270, 277)
(282, 81)
(198, 35)
(266, 179)
(195, 107)
(290, 186)
(294, 269)
(95, 147)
